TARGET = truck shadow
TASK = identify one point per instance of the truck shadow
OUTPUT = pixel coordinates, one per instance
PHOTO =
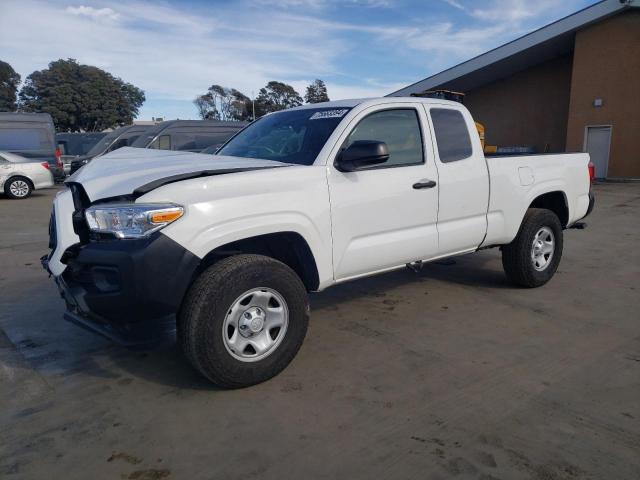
(166, 364)
(85, 354)
(479, 270)
(482, 270)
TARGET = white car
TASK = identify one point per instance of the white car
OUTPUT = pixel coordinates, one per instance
(20, 176)
(229, 245)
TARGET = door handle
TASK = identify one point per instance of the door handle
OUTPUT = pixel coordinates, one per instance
(424, 184)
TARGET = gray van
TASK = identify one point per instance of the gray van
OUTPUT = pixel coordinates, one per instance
(188, 135)
(33, 136)
(76, 144)
(120, 137)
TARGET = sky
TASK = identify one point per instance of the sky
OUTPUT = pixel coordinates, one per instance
(174, 50)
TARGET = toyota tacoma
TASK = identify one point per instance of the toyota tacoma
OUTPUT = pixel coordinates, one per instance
(224, 249)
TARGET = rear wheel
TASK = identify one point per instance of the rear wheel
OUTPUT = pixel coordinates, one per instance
(243, 320)
(18, 188)
(532, 258)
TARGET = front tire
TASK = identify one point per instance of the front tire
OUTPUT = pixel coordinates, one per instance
(532, 258)
(243, 320)
(18, 188)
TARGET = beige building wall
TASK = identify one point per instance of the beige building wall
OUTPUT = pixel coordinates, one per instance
(606, 65)
(529, 108)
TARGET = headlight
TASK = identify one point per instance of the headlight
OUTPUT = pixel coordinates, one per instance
(131, 220)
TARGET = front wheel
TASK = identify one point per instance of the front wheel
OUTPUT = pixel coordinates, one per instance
(243, 320)
(532, 258)
(18, 188)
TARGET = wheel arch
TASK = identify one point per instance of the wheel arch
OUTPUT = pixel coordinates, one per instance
(286, 246)
(556, 201)
(18, 175)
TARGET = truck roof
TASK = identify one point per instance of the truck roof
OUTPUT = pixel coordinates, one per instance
(350, 103)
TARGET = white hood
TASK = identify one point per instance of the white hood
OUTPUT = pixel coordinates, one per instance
(122, 171)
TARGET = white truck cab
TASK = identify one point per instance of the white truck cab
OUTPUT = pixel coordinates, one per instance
(226, 247)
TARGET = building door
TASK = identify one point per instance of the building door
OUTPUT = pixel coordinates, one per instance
(597, 144)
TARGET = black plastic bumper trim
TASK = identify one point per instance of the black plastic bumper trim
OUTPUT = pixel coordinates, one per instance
(144, 335)
(592, 202)
(122, 288)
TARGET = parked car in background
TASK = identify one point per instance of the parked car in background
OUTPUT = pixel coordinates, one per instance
(20, 176)
(76, 144)
(120, 137)
(188, 135)
(31, 135)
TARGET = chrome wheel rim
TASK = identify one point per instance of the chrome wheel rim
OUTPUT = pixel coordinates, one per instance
(255, 324)
(19, 188)
(542, 248)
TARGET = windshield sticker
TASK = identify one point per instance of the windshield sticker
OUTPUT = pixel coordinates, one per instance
(329, 114)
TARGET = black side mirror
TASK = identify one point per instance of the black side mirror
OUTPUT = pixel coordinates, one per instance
(362, 154)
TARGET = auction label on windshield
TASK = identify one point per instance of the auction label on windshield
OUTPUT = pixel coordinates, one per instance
(329, 114)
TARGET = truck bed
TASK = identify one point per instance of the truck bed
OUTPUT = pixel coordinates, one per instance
(516, 180)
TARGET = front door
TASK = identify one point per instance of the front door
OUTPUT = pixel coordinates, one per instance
(597, 143)
(384, 216)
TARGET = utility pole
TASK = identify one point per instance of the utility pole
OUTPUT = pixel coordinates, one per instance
(253, 105)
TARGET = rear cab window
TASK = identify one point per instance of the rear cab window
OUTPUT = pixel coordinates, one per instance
(452, 134)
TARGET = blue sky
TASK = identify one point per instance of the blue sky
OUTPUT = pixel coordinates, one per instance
(175, 50)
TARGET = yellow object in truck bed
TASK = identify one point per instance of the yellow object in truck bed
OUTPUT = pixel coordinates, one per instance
(480, 129)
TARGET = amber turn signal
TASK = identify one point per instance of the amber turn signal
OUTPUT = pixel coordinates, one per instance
(165, 216)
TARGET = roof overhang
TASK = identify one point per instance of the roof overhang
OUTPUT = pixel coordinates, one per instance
(549, 42)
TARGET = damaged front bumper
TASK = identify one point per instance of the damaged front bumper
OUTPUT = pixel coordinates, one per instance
(126, 290)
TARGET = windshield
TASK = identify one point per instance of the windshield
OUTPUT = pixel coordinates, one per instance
(121, 137)
(103, 143)
(290, 136)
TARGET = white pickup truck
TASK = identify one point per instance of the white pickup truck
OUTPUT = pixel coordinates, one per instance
(226, 247)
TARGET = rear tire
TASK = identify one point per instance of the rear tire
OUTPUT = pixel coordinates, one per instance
(210, 322)
(18, 188)
(532, 258)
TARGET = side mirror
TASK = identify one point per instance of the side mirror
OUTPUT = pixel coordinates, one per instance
(362, 154)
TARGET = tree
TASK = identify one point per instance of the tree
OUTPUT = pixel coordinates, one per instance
(241, 106)
(9, 81)
(206, 107)
(80, 97)
(222, 103)
(316, 92)
(276, 96)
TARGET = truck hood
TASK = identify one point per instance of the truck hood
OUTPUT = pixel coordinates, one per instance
(137, 171)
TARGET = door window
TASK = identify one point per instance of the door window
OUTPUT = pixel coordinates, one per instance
(24, 139)
(399, 129)
(163, 142)
(198, 139)
(452, 134)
